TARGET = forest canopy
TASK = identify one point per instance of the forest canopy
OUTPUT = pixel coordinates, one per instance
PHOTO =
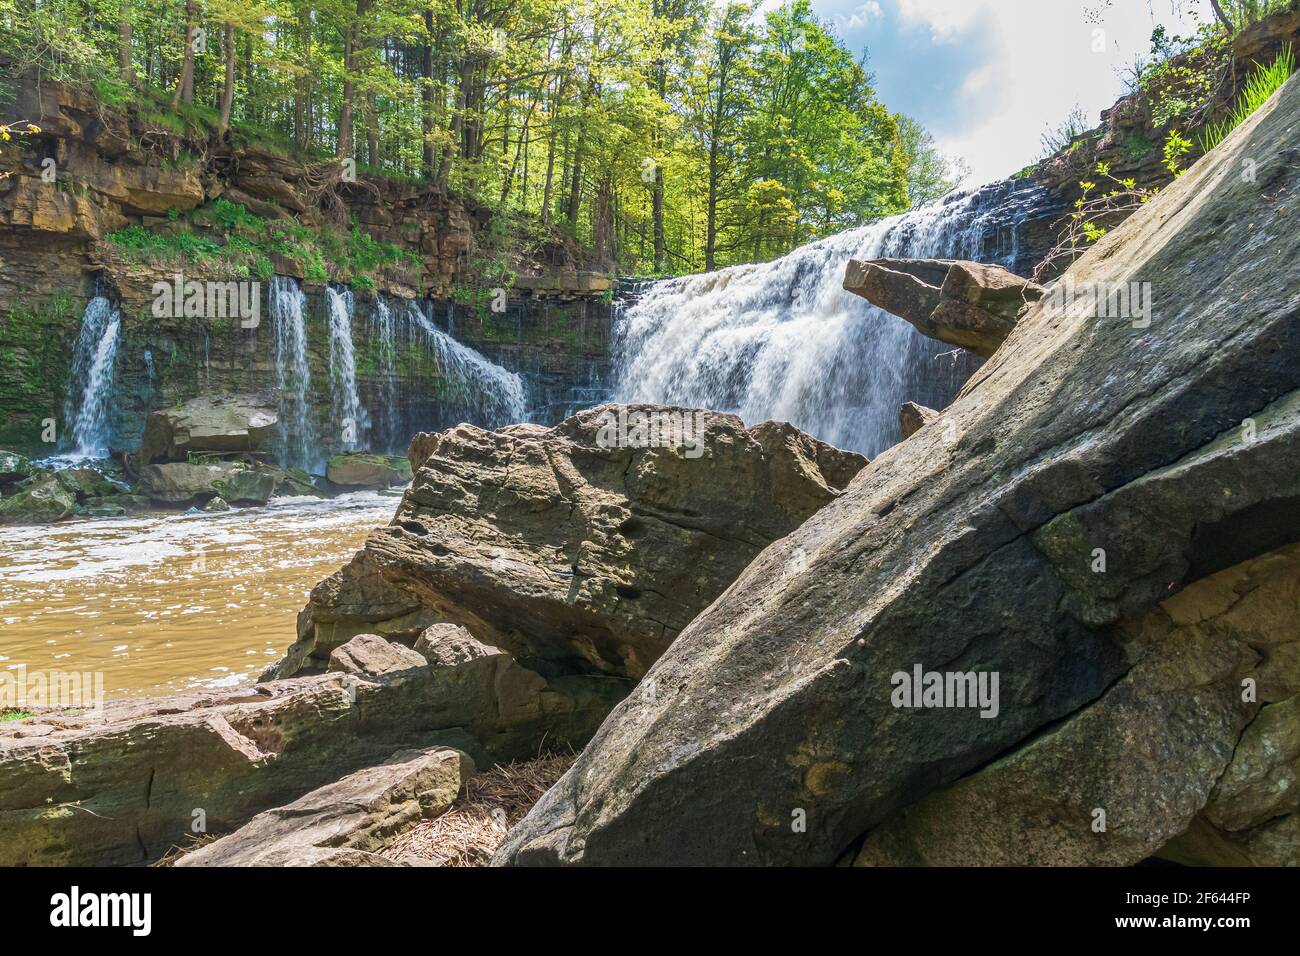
(666, 136)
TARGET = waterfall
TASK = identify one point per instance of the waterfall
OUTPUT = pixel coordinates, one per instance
(383, 333)
(292, 374)
(90, 388)
(783, 340)
(349, 414)
(474, 388)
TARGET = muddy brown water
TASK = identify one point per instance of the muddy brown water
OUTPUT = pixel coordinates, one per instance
(167, 603)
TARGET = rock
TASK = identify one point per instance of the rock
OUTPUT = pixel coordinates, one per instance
(217, 505)
(367, 471)
(291, 481)
(121, 786)
(13, 467)
(41, 501)
(1085, 443)
(106, 511)
(209, 423)
(913, 417)
(546, 544)
(180, 483)
(1148, 753)
(446, 645)
(967, 304)
(246, 486)
(373, 656)
(129, 504)
(83, 483)
(359, 814)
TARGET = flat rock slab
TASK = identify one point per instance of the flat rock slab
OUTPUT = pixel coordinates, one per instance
(209, 423)
(125, 785)
(357, 815)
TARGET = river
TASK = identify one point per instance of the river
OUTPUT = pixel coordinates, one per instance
(166, 603)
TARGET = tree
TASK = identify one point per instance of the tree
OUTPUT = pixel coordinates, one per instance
(185, 83)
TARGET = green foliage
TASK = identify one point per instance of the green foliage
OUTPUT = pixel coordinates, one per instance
(1184, 73)
(662, 135)
(224, 235)
(1263, 83)
(1177, 146)
(1102, 202)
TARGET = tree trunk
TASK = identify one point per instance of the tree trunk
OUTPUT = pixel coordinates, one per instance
(372, 131)
(125, 69)
(1222, 17)
(426, 97)
(185, 83)
(351, 46)
(228, 92)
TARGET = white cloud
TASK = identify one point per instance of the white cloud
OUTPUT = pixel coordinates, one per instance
(1042, 61)
(860, 17)
(946, 19)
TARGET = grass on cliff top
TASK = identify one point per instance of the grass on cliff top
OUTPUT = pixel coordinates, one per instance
(1263, 83)
(224, 235)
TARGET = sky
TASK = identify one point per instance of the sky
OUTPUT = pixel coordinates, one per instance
(988, 77)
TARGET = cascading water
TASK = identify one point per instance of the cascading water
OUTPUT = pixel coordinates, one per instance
(94, 369)
(783, 340)
(383, 333)
(475, 388)
(297, 443)
(350, 415)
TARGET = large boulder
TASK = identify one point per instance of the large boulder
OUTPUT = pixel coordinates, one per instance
(1176, 760)
(43, 499)
(344, 823)
(367, 471)
(543, 542)
(968, 304)
(1095, 468)
(123, 784)
(182, 483)
(208, 424)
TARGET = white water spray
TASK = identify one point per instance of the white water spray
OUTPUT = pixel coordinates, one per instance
(350, 415)
(292, 374)
(89, 400)
(488, 394)
(783, 340)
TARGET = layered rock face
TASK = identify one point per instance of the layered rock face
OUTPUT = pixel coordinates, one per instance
(966, 304)
(1094, 468)
(544, 542)
(116, 169)
(125, 785)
